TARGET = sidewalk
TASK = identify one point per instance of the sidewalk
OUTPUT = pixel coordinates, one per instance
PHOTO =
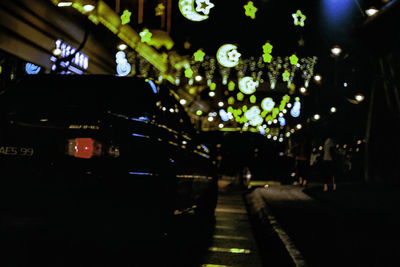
(356, 225)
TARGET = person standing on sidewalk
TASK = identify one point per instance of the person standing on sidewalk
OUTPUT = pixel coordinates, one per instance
(303, 159)
(328, 164)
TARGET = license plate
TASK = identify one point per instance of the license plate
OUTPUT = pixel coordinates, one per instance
(16, 151)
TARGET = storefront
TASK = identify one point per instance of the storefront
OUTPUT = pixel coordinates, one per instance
(34, 34)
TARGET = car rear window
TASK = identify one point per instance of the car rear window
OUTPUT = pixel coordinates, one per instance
(60, 98)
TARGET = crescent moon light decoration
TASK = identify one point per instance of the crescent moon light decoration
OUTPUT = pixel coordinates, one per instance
(191, 13)
(228, 56)
(247, 85)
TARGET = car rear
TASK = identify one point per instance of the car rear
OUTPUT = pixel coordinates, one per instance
(67, 163)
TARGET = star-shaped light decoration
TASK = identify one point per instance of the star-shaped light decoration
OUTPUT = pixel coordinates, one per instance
(299, 18)
(199, 55)
(267, 58)
(126, 17)
(250, 10)
(293, 59)
(145, 36)
(204, 6)
(267, 48)
(286, 76)
(160, 8)
(233, 55)
(188, 73)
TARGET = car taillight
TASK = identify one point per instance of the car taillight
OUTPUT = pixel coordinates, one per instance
(85, 148)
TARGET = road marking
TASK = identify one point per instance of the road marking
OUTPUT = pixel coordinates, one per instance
(227, 210)
(230, 250)
(230, 237)
(224, 227)
(215, 265)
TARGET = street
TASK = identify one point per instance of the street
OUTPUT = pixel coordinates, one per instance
(353, 226)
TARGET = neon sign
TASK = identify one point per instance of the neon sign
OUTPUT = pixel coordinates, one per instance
(78, 63)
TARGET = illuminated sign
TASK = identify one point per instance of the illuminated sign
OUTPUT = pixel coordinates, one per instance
(247, 85)
(123, 67)
(191, 13)
(78, 63)
(32, 69)
(228, 56)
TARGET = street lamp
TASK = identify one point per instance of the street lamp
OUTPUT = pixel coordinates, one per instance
(336, 51)
(371, 11)
(359, 97)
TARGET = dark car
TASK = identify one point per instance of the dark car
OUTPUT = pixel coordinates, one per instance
(101, 156)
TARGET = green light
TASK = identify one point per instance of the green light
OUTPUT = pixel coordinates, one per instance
(253, 99)
(126, 17)
(264, 113)
(213, 86)
(199, 112)
(267, 58)
(250, 10)
(230, 109)
(267, 48)
(159, 10)
(239, 96)
(286, 98)
(299, 18)
(231, 86)
(199, 55)
(244, 108)
(188, 73)
(231, 100)
(286, 76)
(145, 36)
(293, 59)
(275, 112)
